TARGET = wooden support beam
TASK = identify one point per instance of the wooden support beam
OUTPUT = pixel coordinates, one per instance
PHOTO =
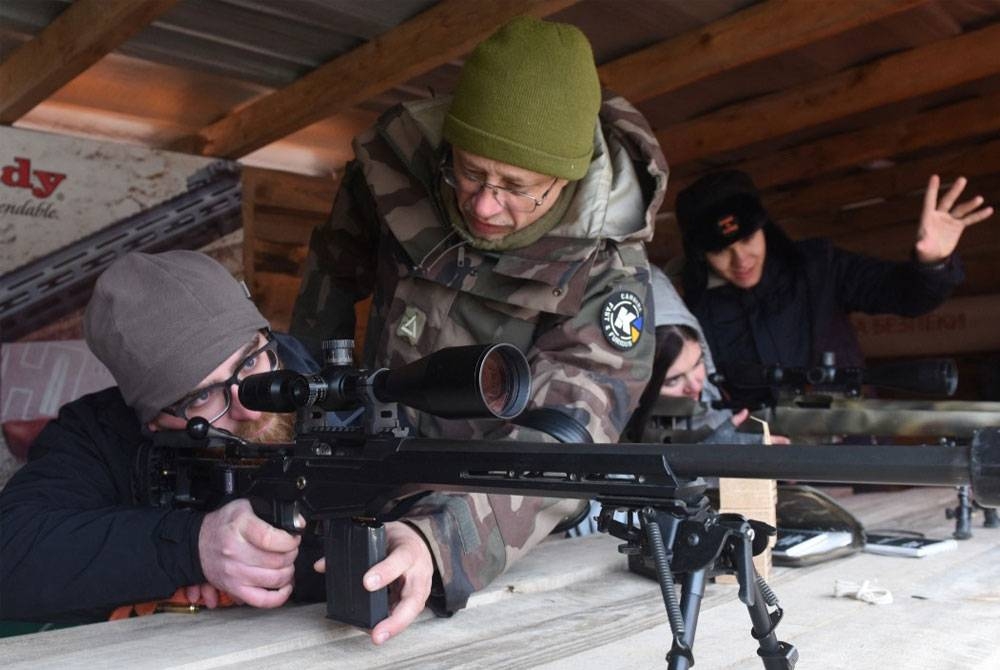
(280, 210)
(924, 70)
(936, 128)
(80, 36)
(273, 188)
(981, 159)
(836, 222)
(446, 31)
(761, 31)
(248, 208)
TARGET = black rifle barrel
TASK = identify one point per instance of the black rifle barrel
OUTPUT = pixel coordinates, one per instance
(886, 464)
(931, 465)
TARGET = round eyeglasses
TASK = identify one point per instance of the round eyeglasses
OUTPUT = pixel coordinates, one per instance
(515, 201)
(212, 402)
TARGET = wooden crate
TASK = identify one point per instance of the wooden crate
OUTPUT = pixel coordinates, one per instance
(280, 210)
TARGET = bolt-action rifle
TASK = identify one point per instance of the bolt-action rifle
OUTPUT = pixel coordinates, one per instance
(825, 400)
(346, 482)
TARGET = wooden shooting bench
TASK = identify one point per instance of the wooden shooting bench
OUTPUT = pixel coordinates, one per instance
(571, 605)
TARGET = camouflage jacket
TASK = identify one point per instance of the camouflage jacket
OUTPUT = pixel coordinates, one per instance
(559, 299)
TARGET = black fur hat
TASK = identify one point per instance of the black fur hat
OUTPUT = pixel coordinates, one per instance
(717, 210)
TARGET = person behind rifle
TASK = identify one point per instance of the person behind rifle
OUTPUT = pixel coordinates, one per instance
(681, 369)
(763, 299)
(515, 210)
(177, 332)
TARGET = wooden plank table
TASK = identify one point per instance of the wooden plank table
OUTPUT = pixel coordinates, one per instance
(572, 605)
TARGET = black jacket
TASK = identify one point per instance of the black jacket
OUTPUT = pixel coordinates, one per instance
(74, 541)
(799, 308)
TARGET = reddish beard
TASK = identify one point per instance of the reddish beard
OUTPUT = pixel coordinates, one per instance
(269, 428)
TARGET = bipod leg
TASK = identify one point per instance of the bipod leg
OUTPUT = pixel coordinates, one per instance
(990, 519)
(661, 531)
(692, 593)
(775, 654)
(962, 514)
(757, 596)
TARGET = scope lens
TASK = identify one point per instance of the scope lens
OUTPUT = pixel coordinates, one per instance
(504, 381)
(496, 383)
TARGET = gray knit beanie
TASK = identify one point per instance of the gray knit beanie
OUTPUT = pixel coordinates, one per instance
(163, 322)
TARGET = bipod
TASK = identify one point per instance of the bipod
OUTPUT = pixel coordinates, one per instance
(990, 518)
(962, 513)
(685, 543)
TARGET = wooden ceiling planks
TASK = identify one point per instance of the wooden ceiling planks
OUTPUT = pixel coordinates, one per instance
(975, 160)
(737, 40)
(934, 67)
(444, 32)
(805, 96)
(78, 37)
(936, 128)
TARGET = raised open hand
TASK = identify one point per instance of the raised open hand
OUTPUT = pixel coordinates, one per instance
(942, 221)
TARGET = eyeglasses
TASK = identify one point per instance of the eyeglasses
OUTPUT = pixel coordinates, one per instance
(515, 201)
(212, 402)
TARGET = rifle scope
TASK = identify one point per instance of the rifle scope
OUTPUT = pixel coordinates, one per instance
(936, 377)
(476, 381)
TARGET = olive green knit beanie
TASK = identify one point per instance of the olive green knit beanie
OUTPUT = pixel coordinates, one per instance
(529, 96)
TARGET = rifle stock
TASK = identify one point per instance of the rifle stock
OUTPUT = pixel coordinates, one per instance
(872, 416)
(826, 400)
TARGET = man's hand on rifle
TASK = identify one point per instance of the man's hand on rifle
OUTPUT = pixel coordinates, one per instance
(408, 569)
(247, 557)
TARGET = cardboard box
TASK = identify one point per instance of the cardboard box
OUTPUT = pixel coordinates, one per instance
(755, 499)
